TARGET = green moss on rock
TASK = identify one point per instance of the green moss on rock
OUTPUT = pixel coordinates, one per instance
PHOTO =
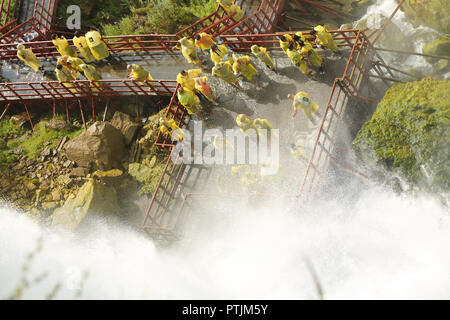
(409, 132)
(431, 13)
(440, 47)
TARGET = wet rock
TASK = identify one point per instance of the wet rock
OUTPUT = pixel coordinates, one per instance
(78, 172)
(57, 125)
(440, 47)
(109, 177)
(408, 134)
(93, 198)
(65, 180)
(101, 143)
(124, 123)
(431, 13)
(19, 119)
(16, 151)
(49, 205)
(56, 195)
(140, 172)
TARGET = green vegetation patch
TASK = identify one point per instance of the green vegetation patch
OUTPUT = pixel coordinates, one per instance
(409, 132)
(30, 145)
(117, 17)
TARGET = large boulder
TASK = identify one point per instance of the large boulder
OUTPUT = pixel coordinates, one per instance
(124, 123)
(93, 198)
(409, 134)
(102, 144)
(431, 13)
(440, 47)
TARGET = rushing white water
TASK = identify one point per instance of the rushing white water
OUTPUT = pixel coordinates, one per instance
(382, 246)
(419, 36)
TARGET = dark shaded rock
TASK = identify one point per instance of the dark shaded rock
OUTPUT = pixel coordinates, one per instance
(124, 123)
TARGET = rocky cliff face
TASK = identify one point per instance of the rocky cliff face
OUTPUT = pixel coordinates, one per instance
(63, 175)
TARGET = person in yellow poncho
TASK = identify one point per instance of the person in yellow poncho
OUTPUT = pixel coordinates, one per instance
(263, 56)
(204, 41)
(230, 8)
(189, 100)
(309, 53)
(245, 174)
(202, 86)
(302, 101)
(189, 51)
(262, 124)
(244, 122)
(73, 64)
(171, 128)
(298, 153)
(138, 73)
(80, 42)
(64, 75)
(187, 78)
(98, 47)
(243, 66)
(324, 38)
(297, 37)
(298, 60)
(63, 47)
(285, 41)
(29, 58)
(224, 71)
(92, 74)
(220, 53)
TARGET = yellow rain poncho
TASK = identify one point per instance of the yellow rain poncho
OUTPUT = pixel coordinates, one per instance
(262, 124)
(202, 86)
(139, 73)
(230, 8)
(28, 57)
(285, 44)
(92, 74)
(221, 54)
(188, 81)
(309, 52)
(224, 71)
(189, 51)
(98, 47)
(298, 153)
(82, 46)
(244, 122)
(65, 75)
(171, 128)
(205, 42)
(243, 65)
(298, 60)
(189, 100)
(326, 39)
(263, 56)
(302, 100)
(63, 47)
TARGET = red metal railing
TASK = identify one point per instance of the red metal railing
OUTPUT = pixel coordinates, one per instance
(8, 14)
(264, 19)
(166, 211)
(40, 23)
